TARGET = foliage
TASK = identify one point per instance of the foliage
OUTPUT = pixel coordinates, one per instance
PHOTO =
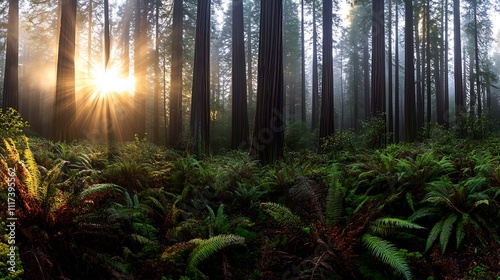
(11, 123)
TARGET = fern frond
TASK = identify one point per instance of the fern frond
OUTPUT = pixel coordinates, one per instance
(388, 253)
(384, 226)
(423, 212)
(96, 190)
(280, 213)
(114, 262)
(435, 231)
(334, 200)
(141, 239)
(33, 180)
(207, 248)
(444, 237)
(460, 233)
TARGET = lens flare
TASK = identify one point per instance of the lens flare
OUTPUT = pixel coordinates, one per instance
(111, 81)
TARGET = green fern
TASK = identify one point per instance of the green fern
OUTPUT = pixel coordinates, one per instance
(384, 226)
(206, 248)
(334, 200)
(387, 252)
(446, 230)
(96, 190)
(33, 178)
(433, 235)
(281, 214)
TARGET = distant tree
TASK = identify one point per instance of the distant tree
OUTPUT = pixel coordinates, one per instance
(156, 100)
(315, 86)
(240, 129)
(396, 79)
(140, 41)
(200, 100)
(268, 132)
(410, 117)
(327, 104)
(378, 59)
(175, 121)
(302, 66)
(64, 123)
(11, 81)
(457, 56)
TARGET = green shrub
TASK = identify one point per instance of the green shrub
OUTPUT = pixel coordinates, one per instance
(11, 123)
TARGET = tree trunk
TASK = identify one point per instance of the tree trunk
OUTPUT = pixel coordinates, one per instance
(315, 86)
(366, 77)
(64, 125)
(156, 101)
(303, 67)
(175, 122)
(268, 133)
(11, 80)
(140, 68)
(327, 126)
(200, 101)
(410, 116)
(476, 52)
(390, 116)
(239, 118)
(396, 80)
(378, 59)
(457, 56)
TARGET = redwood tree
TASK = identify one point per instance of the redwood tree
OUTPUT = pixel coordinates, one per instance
(410, 114)
(200, 100)
(268, 132)
(239, 116)
(175, 122)
(64, 124)
(11, 81)
(326, 126)
(378, 58)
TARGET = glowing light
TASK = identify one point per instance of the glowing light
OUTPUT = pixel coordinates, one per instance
(111, 81)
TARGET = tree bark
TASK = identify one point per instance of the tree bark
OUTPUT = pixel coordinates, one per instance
(268, 133)
(200, 101)
(410, 127)
(239, 118)
(11, 80)
(64, 124)
(327, 125)
(175, 121)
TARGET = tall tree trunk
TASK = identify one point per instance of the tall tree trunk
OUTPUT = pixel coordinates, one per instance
(427, 43)
(156, 102)
(327, 126)
(366, 77)
(239, 118)
(249, 61)
(420, 72)
(175, 122)
(64, 124)
(303, 67)
(457, 56)
(446, 79)
(140, 68)
(472, 91)
(396, 80)
(476, 52)
(390, 116)
(378, 58)
(11, 80)
(410, 116)
(200, 101)
(315, 86)
(89, 38)
(355, 86)
(268, 133)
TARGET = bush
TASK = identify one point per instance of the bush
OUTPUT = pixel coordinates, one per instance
(11, 123)
(297, 136)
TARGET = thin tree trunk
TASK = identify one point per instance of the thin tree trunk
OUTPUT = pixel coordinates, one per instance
(315, 86)
(156, 102)
(410, 126)
(396, 80)
(303, 67)
(459, 95)
(476, 51)
(366, 77)
(390, 116)
(446, 66)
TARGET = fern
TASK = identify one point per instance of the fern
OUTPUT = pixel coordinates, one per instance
(433, 235)
(387, 252)
(96, 190)
(281, 214)
(33, 178)
(460, 234)
(446, 229)
(207, 248)
(334, 202)
(384, 226)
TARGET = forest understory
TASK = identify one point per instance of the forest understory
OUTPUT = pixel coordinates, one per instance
(358, 209)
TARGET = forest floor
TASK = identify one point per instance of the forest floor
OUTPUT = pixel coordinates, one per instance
(428, 210)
